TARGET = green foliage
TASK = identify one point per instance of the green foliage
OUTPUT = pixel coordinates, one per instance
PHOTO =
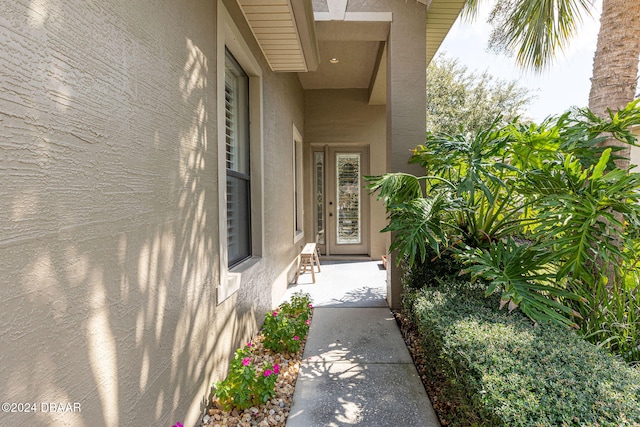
(245, 385)
(458, 98)
(284, 329)
(298, 306)
(581, 209)
(552, 186)
(469, 194)
(612, 319)
(435, 269)
(523, 274)
(476, 169)
(503, 371)
(533, 30)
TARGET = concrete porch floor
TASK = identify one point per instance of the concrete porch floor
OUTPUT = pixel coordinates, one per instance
(356, 368)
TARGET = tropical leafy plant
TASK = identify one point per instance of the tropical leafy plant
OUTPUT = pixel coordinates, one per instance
(481, 176)
(582, 214)
(468, 195)
(553, 188)
(525, 275)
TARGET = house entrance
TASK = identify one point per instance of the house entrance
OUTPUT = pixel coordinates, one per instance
(341, 204)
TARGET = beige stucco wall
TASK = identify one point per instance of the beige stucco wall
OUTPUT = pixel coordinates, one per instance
(109, 238)
(343, 117)
(406, 100)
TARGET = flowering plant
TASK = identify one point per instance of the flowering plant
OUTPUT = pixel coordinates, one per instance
(265, 387)
(245, 386)
(285, 328)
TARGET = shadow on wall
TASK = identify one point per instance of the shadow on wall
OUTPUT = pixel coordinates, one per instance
(109, 216)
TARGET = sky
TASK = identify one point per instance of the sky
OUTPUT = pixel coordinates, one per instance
(563, 85)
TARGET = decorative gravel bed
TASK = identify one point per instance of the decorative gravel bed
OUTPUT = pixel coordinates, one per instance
(276, 410)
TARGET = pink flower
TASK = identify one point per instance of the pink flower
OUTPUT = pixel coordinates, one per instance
(310, 305)
(275, 314)
(296, 338)
(178, 425)
(246, 361)
(249, 344)
(276, 369)
(267, 372)
(308, 322)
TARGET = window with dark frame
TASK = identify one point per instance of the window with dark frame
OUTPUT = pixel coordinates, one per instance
(236, 92)
(297, 184)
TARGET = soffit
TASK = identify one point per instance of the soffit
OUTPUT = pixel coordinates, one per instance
(285, 31)
(355, 69)
(441, 14)
(356, 45)
(292, 41)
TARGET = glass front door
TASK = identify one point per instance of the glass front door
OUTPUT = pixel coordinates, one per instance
(341, 214)
(348, 198)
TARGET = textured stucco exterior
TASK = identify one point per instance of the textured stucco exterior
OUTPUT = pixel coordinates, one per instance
(109, 239)
(406, 100)
(112, 218)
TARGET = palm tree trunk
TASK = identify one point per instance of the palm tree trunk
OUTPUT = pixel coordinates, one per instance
(615, 70)
(615, 64)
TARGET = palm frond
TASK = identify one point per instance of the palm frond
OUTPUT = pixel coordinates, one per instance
(537, 29)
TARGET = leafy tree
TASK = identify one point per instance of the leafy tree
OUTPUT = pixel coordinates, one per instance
(535, 30)
(459, 98)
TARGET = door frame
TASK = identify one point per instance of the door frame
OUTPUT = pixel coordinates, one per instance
(330, 245)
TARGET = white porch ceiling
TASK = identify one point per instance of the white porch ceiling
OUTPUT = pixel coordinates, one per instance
(356, 45)
(304, 35)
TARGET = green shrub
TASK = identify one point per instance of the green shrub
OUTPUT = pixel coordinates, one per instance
(285, 328)
(502, 370)
(432, 271)
(245, 385)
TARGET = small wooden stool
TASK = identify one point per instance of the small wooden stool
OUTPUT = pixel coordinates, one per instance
(308, 259)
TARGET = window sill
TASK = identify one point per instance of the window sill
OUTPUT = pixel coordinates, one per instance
(234, 278)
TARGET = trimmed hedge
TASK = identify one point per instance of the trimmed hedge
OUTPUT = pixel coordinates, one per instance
(503, 370)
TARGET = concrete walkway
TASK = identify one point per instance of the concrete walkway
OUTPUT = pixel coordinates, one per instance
(356, 368)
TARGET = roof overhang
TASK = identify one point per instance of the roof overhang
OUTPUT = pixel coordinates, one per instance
(441, 14)
(285, 31)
